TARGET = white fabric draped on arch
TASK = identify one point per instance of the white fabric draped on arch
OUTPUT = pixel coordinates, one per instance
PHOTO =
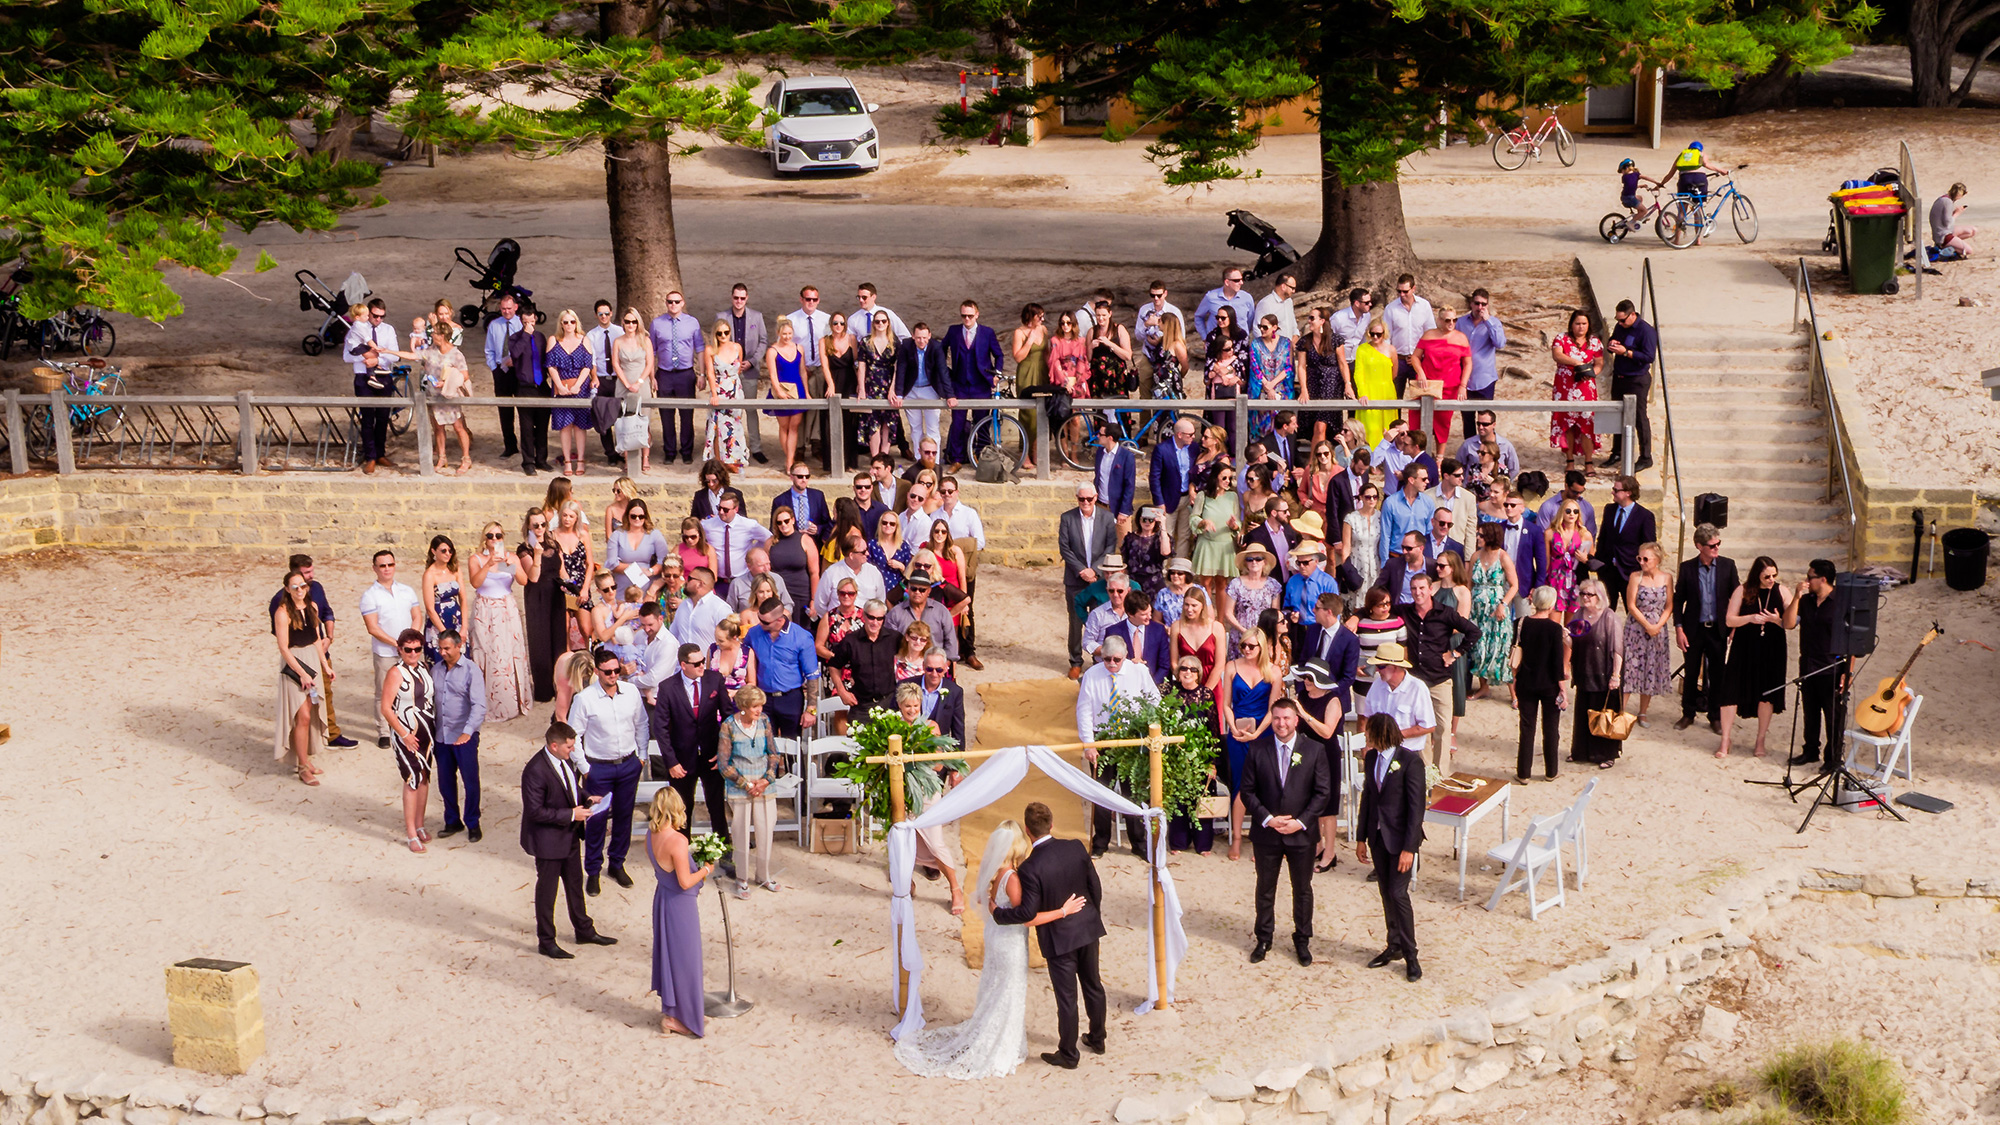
(994, 779)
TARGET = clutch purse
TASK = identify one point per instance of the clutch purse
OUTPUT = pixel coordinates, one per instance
(1418, 388)
(1614, 725)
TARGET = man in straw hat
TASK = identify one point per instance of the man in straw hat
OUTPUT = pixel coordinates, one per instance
(1401, 696)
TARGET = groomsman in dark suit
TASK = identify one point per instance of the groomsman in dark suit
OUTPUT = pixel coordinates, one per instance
(974, 354)
(1390, 824)
(552, 814)
(1701, 600)
(1287, 787)
(1622, 528)
(688, 710)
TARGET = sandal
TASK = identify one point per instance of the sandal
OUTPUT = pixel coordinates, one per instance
(464, 465)
(414, 844)
(1607, 765)
(309, 778)
(424, 834)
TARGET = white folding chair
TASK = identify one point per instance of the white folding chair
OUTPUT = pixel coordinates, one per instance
(822, 786)
(1353, 751)
(1896, 764)
(791, 788)
(1574, 833)
(1530, 860)
(827, 708)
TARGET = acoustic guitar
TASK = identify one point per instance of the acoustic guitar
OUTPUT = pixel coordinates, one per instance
(1881, 713)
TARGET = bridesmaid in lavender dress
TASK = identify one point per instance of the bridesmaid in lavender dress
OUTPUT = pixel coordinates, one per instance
(676, 917)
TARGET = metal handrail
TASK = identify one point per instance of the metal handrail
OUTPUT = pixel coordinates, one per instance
(1802, 287)
(1649, 300)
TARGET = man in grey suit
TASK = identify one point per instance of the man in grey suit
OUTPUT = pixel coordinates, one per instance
(747, 325)
(1085, 534)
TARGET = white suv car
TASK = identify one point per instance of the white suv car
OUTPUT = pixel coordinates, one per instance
(822, 123)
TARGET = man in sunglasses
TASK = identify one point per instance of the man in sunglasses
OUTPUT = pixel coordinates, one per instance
(866, 497)
(1351, 323)
(604, 408)
(972, 354)
(869, 656)
(689, 707)
(387, 608)
(610, 720)
(747, 328)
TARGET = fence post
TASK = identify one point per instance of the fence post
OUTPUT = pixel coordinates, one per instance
(420, 421)
(59, 425)
(635, 403)
(1426, 408)
(1242, 438)
(246, 436)
(1628, 425)
(1042, 424)
(836, 438)
(17, 434)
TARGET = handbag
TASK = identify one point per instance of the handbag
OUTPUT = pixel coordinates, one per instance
(1418, 388)
(631, 433)
(1614, 725)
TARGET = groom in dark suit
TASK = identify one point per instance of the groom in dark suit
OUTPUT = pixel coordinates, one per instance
(553, 809)
(1287, 787)
(1390, 824)
(1054, 871)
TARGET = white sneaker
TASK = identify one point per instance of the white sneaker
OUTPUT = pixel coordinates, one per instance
(771, 885)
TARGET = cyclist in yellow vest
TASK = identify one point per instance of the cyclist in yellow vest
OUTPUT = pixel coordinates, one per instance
(1691, 167)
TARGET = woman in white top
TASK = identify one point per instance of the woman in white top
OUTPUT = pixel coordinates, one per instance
(444, 369)
(497, 644)
(1361, 535)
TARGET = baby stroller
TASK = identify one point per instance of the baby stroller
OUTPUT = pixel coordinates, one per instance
(314, 296)
(495, 280)
(1248, 232)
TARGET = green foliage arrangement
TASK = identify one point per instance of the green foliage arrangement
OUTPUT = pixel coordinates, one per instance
(1838, 1082)
(921, 783)
(707, 848)
(1184, 765)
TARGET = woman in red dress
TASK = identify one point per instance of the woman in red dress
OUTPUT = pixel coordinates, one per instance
(1579, 357)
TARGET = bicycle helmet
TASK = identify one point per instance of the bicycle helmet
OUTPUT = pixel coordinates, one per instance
(1695, 145)
(1627, 164)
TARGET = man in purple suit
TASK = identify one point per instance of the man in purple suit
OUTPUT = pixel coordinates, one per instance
(972, 352)
(1523, 539)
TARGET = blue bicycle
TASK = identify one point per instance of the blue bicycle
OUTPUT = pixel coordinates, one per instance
(1076, 438)
(1689, 217)
(96, 410)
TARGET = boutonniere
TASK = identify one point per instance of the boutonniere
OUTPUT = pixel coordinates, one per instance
(1394, 765)
(1296, 759)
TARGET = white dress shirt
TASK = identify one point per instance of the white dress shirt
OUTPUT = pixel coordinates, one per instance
(695, 620)
(810, 328)
(566, 774)
(382, 335)
(916, 525)
(732, 541)
(1280, 307)
(1149, 335)
(861, 322)
(1351, 326)
(1098, 688)
(868, 587)
(599, 340)
(1409, 705)
(658, 659)
(964, 521)
(1100, 619)
(609, 727)
(1407, 325)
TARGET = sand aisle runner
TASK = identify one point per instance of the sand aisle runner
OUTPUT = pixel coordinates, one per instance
(1020, 713)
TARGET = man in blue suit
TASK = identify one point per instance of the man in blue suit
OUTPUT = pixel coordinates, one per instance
(1334, 646)
(805, 502)
(1440, 538)
(1116, 472)
(1173, 464)
(1145, 639)
(973, 352)
(1524, 540)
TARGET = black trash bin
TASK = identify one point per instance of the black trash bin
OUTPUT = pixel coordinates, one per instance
(1965, 551)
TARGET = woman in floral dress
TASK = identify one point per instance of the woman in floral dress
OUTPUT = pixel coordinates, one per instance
(1569, 545)
(1272, 373)
(573, 372)
(833, 628)
(1247, 596)
(1648, 661)
(1326, 375)
(727, 440)
(879, 429)
(1494, 587)
(1068, 367)
(1579, 357)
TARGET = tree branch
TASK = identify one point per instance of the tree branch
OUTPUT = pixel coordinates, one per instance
(1960, 27)
(1978, 60)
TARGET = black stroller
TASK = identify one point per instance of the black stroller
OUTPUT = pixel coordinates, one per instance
(1248, 232)
(495, 280)
(315, 296)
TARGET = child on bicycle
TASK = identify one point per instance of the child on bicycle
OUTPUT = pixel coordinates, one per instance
(1629, 180)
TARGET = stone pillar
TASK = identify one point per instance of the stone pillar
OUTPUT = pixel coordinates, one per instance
(215, 1014)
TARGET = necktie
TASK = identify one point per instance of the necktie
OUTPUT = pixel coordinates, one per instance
(1622, 513)
(1284, 763)
(1138, 635)
(535, 355)
(725, 553)
(1326, 646)
(799, 508)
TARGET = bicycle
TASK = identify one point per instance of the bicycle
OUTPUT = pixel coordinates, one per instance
(82, 328)
(1689, 217)
(89, 379)
(1620, 225)
(1518, 144)
(1076, 439)
(999, 429)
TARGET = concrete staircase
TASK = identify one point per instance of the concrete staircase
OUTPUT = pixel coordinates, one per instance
(1745, 426)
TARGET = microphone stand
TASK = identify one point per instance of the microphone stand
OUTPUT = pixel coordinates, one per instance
(1827, 761)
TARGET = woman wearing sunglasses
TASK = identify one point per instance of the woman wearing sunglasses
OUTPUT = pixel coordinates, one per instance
(409, 704)
(497, 645)
(728, 438)
(632, 365)
(1375, 378)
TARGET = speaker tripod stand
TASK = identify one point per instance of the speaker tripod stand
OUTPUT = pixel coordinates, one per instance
(1833, 773)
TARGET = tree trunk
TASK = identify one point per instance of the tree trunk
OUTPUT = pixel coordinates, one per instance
(645, 257)
(1930, 55)
(1776, 88)
(1363, 238)
(338, 140)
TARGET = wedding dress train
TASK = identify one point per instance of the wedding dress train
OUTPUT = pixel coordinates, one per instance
(994, 1040)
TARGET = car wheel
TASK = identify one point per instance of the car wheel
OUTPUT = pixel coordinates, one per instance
(776, 171)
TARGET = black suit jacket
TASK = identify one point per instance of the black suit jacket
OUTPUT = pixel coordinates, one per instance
(1081, 547)
(1394, 810)
(701, 509)
(1687, 591)
(1339, 502)
(549, 829)
(1618, 549)
(1307, 791)
(1054, 871)
(1345, 662)
(816, 509)
(1391, 577)
(950, 712)
(1261, 534)
(934, 368)
(687, 735)
(521, 350)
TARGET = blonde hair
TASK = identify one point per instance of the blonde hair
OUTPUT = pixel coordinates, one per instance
(633, 312)
(730, 628)
(1199, 597)
(667, 810)
(1018, 851)
(785, 326)
(716, 330)
(1171, 335)
(1589, 585)
(1266, 667)
(748, 696)
(624, 488)
(578, 669)
(569, 314)
(568, 507)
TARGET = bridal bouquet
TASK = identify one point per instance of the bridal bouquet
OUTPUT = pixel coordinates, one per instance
(707, 848)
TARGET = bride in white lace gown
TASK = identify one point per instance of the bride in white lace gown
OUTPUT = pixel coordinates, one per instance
(995, 1040)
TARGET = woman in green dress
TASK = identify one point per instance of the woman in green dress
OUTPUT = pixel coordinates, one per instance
(1215, 517)
(1031, 343)
(1494, 587)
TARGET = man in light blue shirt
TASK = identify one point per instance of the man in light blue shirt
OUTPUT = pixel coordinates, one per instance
(677, 348)
(460, 689)
(1484, 422)
(787, 667)
(1487, 336)
(600, 340)
(1230, 293)
(1407, 509)
(498, 334)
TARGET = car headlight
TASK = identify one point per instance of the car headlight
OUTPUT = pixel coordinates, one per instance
(865, 137)
(790, 141)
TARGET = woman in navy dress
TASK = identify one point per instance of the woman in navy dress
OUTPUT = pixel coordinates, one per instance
(785, 365)
(1244, 703)
(676, 916)
(573, 376)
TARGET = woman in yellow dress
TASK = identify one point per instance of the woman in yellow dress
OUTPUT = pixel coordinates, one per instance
(1375, 378)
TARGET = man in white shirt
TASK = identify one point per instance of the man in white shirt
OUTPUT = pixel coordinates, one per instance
(701, 611)
(1401, 696)
(1408, 317)
(853, 564)
(1351, 323)
(658, 658)
(1278, 303)
(757, 563)
(611, 723)
(962, 517)
(1114, 676)
(809, 324)
(861, 321)
(600, 340)
(1151, 316)
(732, 534)
(915, 521)
(387, 608)
(1116, 584)
(969, 535)
(369, 348)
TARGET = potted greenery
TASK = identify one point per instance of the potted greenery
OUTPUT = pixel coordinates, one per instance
(921, 780)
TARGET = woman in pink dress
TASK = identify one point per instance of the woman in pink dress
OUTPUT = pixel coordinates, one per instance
(1569, 545)
(1446, 357)
(1068, 366)
(1579, 357)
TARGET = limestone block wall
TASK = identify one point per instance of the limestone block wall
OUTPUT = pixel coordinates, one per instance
(326, 513)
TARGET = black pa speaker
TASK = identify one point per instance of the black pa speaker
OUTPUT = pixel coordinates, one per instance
(1855, 599)
(1712, 508)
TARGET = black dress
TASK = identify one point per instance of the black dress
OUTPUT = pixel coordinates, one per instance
(842, 369)
(1185, 832)
(1536, 682)
(788, 562)
(1757, 657)
(547, 626)
(1323, 383)
(1591, 649)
